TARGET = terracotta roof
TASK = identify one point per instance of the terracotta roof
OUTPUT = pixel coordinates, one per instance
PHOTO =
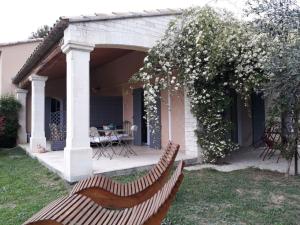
(21, 42)
(55, 35)
(57, 32)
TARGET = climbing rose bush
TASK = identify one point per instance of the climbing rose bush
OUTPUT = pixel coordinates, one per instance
(212, 55)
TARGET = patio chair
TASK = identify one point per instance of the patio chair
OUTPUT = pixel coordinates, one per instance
(128, 137)
(272, 139)
(111, 194)
(81, 210)
(102, 143)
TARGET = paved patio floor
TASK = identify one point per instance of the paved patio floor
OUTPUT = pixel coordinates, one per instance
(119, 165)
(246, 158)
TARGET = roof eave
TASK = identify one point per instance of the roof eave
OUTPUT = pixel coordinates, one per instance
(118, 16)
(42, 49)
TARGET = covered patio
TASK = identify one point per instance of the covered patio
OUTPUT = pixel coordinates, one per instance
(119, 165)
(81, 70)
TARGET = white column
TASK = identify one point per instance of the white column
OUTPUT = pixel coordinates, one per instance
(37, 112)
(190, 125)
(21, 95)
(78, 153)
(170, 115)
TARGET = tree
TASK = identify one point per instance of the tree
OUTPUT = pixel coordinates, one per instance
(279, 20)
(41, 32)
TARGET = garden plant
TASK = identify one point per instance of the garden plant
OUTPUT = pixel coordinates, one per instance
(9, 113)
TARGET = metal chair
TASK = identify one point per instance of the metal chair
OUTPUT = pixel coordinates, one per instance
(102, 143)
(128, 139)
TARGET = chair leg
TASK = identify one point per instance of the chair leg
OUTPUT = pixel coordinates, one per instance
(272, 153)
(102, 148)
(278, 158)
(131, 150)
(263, 151)
(125, 150)
(267, 153)
(95, 153)
(112, 149)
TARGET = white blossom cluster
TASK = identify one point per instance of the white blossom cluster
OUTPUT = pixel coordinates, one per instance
(212, 55)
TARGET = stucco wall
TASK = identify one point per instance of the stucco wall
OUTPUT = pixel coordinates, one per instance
(56, 88)
(138, 33)
(177, 118)
(12, 59)
(110, 78)
(127, 104)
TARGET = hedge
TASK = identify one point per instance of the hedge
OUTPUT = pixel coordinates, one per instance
(9, 125)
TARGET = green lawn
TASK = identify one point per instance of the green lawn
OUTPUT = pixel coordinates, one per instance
(206, 197)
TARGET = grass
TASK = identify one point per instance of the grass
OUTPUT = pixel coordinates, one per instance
(206, 197)
(25, 186)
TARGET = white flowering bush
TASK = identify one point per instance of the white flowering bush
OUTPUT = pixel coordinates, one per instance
(211, 55)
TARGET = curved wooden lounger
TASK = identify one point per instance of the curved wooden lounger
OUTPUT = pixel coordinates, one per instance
(81, 210)
(111, 194)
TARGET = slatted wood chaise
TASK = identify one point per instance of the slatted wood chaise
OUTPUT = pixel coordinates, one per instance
(78, 209)
(111, 194)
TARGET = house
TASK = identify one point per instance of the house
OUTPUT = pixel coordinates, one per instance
(12, 57)
(81, 70)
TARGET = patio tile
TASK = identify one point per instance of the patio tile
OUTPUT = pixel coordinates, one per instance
(246, 158)
(118, 165)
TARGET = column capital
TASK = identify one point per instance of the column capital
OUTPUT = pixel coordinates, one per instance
(21, 91)
(74, 45)
(35, 77)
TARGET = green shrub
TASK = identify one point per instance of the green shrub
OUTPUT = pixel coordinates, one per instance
(9, 110)
(2, 125)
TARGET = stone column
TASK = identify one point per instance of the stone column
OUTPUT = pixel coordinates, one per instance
(21, 95)
(190, 125)
(78, 153)
(37, 112)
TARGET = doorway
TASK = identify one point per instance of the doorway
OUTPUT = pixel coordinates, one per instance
(258, 117)
(53, 114)
(144, 123)
(141, 135)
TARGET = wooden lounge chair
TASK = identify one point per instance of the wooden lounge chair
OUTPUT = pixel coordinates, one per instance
(111, 194)
(78, 209)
